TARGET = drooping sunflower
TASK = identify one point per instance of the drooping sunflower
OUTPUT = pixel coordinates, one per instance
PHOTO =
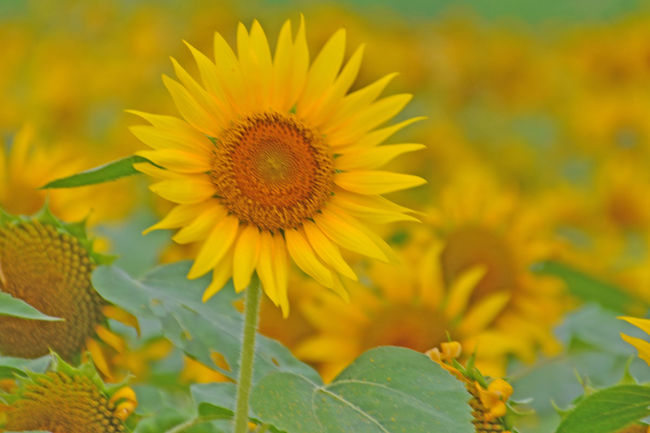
(482, 223)
(66, 399)
(275, 158)
(489, 397)
(408, 305)
(48, 264)
(641, 345)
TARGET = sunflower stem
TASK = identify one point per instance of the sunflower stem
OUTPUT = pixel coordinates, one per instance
(251, 316)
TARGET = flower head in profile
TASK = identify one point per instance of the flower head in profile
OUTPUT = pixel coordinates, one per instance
(48, 264)
(274, 158)
(489, 397)
(66, 399)
(641, 345)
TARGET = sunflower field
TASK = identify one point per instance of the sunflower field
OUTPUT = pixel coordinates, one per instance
(293, 216)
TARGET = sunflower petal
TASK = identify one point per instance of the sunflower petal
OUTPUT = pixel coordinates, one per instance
(374, 182)
(461, 290)
(214, 247)
(185, 190)
(177, 160)
(245, 256)
(374, 157)
(191, 110)
(483, 313)
(303, 255)
(200, 227)
(327, 250)
(220, 276)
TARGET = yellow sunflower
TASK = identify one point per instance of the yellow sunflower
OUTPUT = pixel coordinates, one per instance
(484, 224)
(48, 264)
(273, 158)
(66, 399)
(642, 346)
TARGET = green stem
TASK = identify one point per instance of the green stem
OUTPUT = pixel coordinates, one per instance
(251, 313)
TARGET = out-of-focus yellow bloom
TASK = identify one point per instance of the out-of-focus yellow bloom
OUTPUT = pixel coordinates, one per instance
(407, 305)
(26, 166)
(481, 224)
(641, 345)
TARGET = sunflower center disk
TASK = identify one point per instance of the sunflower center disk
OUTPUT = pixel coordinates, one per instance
(272, 171)
(50, 271)
(477, 246)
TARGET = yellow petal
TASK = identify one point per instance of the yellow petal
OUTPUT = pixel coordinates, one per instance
(228, 71)
(245, 256)
(327, 250)
(376, 181)
(461, 289)
(215, 246)
(215, 108)
(322, 72)
(177, 160)
(263, 66)
(304, 257)
(643, 347)
(327, 348)
(159, 138)
(378, 136)
(121, 316)
(300, 64)
(180, 215)
(110, 338)
(346, 233)
(266, 266)
(185, 190)
(97, 354)
(483, 313)
(191, 111)
(374, 157)
(220, 276)
(356, 101)
(281, 272)
(643, 324)
(201, 225)
(20, 148)
(367, 119)
(282, 69)
(208, 72)
(371, 208)
(340, 87)
(156, 172)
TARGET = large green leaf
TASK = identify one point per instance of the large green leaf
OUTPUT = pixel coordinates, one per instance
(591, 289)
(608, 410)
(104, 173)
(10, 306)
(386, 390)
(200, 329)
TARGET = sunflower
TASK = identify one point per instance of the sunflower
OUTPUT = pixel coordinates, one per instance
(25, 166)
(641, 345)
(274, 158)
(489, 398)
(48, 264)
(66, 399)
(484, 224)
(408, 305)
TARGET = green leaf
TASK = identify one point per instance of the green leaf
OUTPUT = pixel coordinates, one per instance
(591, 289)
(104, 173)
(10, 366)
(608, 410)
(14, 307)
(199, 329)
(386, 390)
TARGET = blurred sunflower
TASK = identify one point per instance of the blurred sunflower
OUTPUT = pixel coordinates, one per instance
(66, 399)
(275, 158)
(483, 224)
(26, 166)
(489, 397)
(48, 264)
(407, 305)
(641, 345)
